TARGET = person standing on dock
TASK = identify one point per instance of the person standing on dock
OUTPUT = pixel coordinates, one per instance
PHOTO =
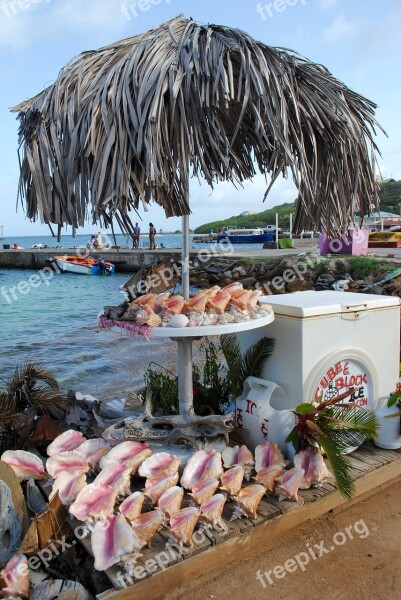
(152, 234)
(137, 235)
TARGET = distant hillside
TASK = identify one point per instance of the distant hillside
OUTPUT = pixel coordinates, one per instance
(390, 198)
(267, 217)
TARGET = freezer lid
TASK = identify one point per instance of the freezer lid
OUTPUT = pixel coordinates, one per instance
(315, 304)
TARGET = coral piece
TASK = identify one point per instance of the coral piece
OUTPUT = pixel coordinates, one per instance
(212, 509)
(248, 501)
(67, 461)
(170, 501)
(159, 462)
(268, 475)
(232, 480)
(288, 484)
(95, 501)
(146, 525)
(183, 523)
(131, 453)
(16, 578)
(131, 508)
(311, 460)
(68, 485)
(111, 540)
(24, 464)
(239, 455)
(203, 464)
(268, 454)
(93, 451)
(118, 476)
(204, 489)
(65, 442)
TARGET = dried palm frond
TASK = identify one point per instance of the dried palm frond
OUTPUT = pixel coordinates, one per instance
(131, 122)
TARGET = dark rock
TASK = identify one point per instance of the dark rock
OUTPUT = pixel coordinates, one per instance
(213, 278)
(248, 282)
(376, 289)
(299, 285)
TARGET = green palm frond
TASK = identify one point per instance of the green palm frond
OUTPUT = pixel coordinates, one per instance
(334, 447)
(232, 353)
(254, 358)
(356, 419)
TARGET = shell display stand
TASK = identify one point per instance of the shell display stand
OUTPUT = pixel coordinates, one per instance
(185, 336)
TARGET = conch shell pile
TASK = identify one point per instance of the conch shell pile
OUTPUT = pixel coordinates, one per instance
(230, 304)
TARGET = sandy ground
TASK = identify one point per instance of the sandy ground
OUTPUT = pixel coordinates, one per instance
(366, 567)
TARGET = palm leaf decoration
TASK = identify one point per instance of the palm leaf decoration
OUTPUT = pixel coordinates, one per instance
(334, 426)
(242, 366)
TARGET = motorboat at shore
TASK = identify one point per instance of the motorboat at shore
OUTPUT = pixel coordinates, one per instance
(246, 236)
(84, 266)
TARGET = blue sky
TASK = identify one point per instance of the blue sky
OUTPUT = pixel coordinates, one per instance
(359, 41)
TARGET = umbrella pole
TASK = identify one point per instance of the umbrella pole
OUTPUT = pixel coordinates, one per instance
(185, 384)
(185, 256)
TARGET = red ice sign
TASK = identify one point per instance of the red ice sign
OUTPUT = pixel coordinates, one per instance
(342, 376)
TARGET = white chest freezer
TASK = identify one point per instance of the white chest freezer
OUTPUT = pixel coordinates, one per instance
(327, 342)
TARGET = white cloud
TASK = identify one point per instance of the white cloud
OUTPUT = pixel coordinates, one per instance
(342, 28)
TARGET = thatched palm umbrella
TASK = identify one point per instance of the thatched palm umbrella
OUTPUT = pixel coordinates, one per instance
(133, 121)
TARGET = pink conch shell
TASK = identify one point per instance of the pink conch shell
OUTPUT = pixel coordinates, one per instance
(145, 300)
(93, 450)
(132, 454)
(183, 522)
(67, 461)
(241, 301)
(170, 501)
(118, 476)
(174, 305)
(146, 316)
(146, 525)
(16, 577)
(239, 456)
(253, 299)
(196, 304)
(311, 460)
(219, 302)
(201, 465)
(24, 464)
(204, 489)
(268, 475)
(65, 442)
(268, 454)
(232, 287)
(95, 501)
(159, 462)
(288, 484)
(156, 485)
(112, 540)
(248, 501)
(212, 509)
(232, 480)
(161, 301)
(131, 508)
(68, 485)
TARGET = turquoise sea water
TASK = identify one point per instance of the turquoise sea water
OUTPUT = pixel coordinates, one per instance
(56, 325)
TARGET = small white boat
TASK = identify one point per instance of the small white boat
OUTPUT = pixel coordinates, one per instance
(84, 266)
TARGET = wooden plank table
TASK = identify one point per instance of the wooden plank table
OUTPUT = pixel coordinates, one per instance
(373, 469)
